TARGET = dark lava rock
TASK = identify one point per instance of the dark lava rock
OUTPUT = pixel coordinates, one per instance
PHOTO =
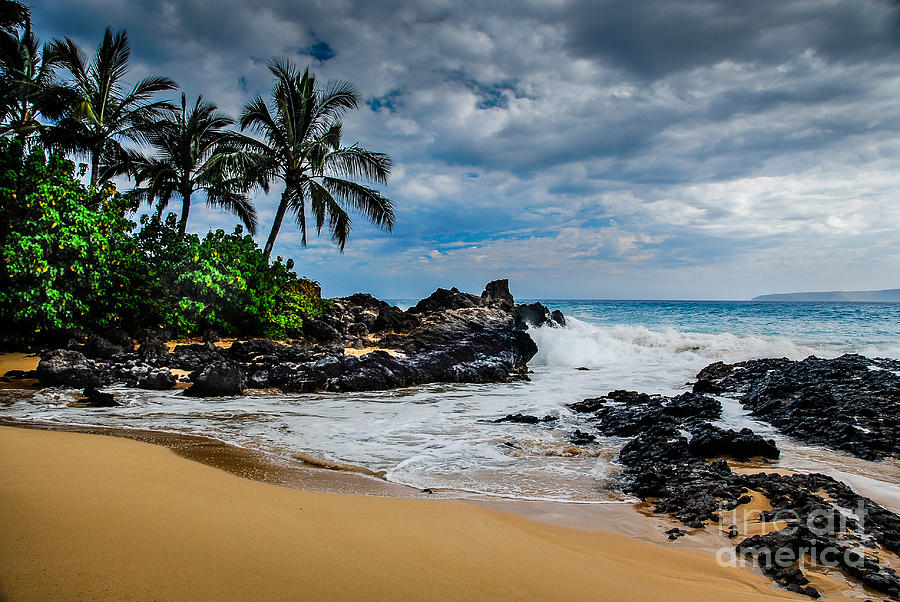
(157, 380)
(120, 338)
(216, 380)
(535, 315)
(449, 337)
(195, 357)
(152, 347)
(581, 438)
(675, 533)
(524, 419)
(98, 399)
(64, 368)
(626, 413)
(851, 403)
(826, 519)
(497, 293)
(708, 441)
(100, 348)
(443, 299)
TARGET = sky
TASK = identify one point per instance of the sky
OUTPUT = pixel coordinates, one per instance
(662, 149)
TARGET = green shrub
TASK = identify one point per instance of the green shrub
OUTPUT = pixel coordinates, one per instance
(72, 262)
(62, 248)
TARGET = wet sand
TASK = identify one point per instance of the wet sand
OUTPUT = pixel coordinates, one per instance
(88, 516)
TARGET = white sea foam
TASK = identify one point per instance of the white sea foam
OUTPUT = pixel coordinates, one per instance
(591, 345)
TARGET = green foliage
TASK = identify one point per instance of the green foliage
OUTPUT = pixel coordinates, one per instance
(72, 261)
(61, 245)
(222, 281)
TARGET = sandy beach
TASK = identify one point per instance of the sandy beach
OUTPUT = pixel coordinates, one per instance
(88, 516)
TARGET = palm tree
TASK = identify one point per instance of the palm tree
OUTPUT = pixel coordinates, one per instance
(28, 85)
(195, 153)
(301, 145)
(13, 15)
(105, 113)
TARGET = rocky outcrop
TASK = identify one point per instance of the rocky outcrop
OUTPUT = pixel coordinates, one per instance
(851, 403)
(627, 413)
(450, 336)
(708, 441)
(66, 368)
(216, 380)
(536, 315)
(675, 458)
(98, 399)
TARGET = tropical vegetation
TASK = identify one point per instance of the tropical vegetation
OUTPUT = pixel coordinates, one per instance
(77, 257)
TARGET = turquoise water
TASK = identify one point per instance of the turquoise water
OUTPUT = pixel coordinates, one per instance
(840, 326)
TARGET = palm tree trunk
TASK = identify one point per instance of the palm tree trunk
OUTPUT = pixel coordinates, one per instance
(95, 167)
(279, 217)
(185, 210)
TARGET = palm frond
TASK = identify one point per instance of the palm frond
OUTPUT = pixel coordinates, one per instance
(323, 204)
(356, 162)
(368, 201)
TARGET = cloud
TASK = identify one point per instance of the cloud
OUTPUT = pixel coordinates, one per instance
(667, 148)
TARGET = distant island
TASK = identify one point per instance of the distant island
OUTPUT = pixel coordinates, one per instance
(888, 295)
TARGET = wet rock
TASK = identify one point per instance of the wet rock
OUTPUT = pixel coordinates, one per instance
(582, 438)
(851, 403)
(99, 399)
(157, 380)
(709, 441)
(524, 419)
(64, 368)
(535, 315)
(675, 533)
(626, 413)
(449, 337)
(216, 380)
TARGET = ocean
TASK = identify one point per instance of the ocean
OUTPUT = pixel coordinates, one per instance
(439, 436)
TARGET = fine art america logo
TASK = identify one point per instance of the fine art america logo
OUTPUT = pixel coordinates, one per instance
(786, 540)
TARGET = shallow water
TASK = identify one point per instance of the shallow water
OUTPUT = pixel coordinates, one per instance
(437, 436)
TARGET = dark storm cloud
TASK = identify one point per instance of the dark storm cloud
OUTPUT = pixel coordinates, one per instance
(654, 38)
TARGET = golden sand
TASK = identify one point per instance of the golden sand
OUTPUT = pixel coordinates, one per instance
(18, 361)
(88, 516)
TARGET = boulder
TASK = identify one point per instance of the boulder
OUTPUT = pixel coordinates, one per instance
(216, 380)
(157, 380)
(535, 315)
(98, 399)
(99, 348)
(64, 368)
(708, 441)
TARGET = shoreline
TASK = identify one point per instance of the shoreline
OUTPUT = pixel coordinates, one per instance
(70, 499)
